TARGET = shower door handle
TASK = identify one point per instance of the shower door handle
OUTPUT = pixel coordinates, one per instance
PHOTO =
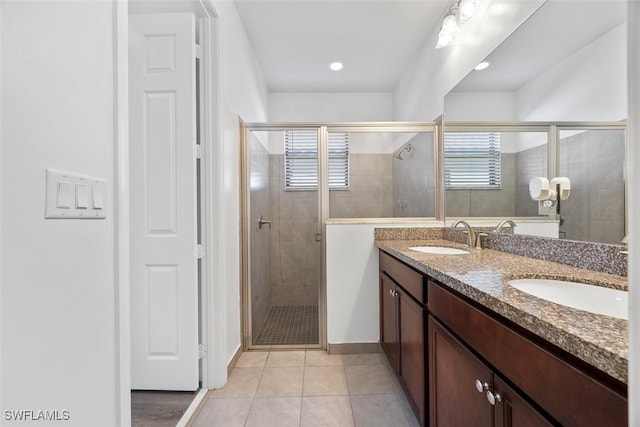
(262, 222)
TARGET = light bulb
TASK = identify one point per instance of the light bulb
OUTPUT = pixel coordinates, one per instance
(468, 9)
(335, 65)
(447, 32)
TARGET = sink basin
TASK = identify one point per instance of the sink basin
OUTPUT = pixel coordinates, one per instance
(595, 299)
(440, 250)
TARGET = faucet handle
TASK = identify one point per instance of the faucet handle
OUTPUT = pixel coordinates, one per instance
(478, 243)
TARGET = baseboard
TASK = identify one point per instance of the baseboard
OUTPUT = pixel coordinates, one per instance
(354, 348)
(233, 361)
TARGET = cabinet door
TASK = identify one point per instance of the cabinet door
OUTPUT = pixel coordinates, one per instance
(512, 410)
(454, 370)
(388, 325)
(412, 353)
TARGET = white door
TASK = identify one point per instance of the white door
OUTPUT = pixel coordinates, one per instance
(164, 278)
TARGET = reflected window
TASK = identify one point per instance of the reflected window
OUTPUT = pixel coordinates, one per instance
(472, 160)
(301, 160)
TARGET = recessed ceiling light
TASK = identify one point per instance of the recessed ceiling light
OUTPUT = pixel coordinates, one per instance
(335, 65)
(482, 66)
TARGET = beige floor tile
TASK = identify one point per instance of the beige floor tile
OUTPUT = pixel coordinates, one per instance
(275, 411)
(364, 359)
(408, 412)
(368, 379)
(252, 359)
(279, 359)
(243, 382)
(378, 410)
(329, 411)
(281, 382)
(322, 358)
(324, 381)
(223, 413)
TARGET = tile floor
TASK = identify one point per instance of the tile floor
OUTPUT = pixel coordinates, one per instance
(307, 388)
(290, 325)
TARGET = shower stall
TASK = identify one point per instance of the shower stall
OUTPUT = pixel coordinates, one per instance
(297, 177)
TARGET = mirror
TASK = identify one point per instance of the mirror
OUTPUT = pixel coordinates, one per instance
(564, 66)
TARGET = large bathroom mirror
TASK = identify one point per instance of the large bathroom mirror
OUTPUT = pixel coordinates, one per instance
(564, 70)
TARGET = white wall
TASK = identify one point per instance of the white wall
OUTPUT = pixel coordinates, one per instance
(58, 309)
(419, 95)
(330, 107)
(634, 211)
(352, 276)
(242, 95)
(590, 85)
(480, 106)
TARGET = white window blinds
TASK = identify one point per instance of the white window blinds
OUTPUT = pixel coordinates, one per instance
(301, 160)
(472, 160)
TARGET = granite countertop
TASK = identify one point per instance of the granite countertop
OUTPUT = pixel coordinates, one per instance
(482, 275)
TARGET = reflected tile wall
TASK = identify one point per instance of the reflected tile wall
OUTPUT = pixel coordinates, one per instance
(486, 203)
(594, 161)
(529, 164)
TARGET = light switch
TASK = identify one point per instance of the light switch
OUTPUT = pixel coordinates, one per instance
(64, 196)
(82, 196)
(98, 197)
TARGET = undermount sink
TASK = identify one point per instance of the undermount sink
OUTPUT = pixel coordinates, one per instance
(440, 250)
(595, 299)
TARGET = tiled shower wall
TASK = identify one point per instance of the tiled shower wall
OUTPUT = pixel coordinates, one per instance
(260, 239)
(370, 193)
(594, 161)
(414, 183)
(294, 251)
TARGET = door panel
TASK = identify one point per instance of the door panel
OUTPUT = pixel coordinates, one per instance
(389, 327)
(164, 281)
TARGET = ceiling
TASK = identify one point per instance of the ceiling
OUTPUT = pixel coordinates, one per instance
(558, 29)
(294, 41)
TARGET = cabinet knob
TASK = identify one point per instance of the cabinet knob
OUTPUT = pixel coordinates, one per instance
(493, 398)
(481, 386)
(393, 293)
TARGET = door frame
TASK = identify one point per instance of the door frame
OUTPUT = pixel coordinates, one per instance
(213, 369)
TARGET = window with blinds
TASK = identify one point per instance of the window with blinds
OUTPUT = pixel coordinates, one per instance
(472, 160)
(301, 160)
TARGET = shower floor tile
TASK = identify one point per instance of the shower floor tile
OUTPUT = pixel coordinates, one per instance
(289, 325)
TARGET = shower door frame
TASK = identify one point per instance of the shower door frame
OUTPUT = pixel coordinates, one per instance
(246, 227)
(323, 130)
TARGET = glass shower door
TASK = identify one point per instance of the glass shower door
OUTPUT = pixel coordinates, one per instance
(281, 209)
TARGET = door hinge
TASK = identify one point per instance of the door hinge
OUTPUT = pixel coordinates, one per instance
(196, 51)
(198, 151)
(201, 251)
(202, 351)
(318, 237)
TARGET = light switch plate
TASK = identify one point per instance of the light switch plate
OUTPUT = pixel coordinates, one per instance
(72, 196)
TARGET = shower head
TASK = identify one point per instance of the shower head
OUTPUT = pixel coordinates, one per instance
(398, 153)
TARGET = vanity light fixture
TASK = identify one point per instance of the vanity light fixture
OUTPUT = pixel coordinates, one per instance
(482, 66)
(463, 11)
(448, 30)
(335, 65)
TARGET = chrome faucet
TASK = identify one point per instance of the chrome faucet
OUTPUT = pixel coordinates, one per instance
(502, 223)
(471, 234)
(625, 242)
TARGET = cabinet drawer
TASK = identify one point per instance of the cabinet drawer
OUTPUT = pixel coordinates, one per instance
(411, 280)
(568, 394)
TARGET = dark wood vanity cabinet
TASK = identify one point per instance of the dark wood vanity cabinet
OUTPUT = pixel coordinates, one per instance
(403, 329)
(468, 343)
(464, 391)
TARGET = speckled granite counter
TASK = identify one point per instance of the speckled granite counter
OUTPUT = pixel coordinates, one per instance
(482, 275)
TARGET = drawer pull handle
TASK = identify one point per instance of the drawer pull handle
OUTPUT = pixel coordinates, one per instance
(493, 398)
(481, 387)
